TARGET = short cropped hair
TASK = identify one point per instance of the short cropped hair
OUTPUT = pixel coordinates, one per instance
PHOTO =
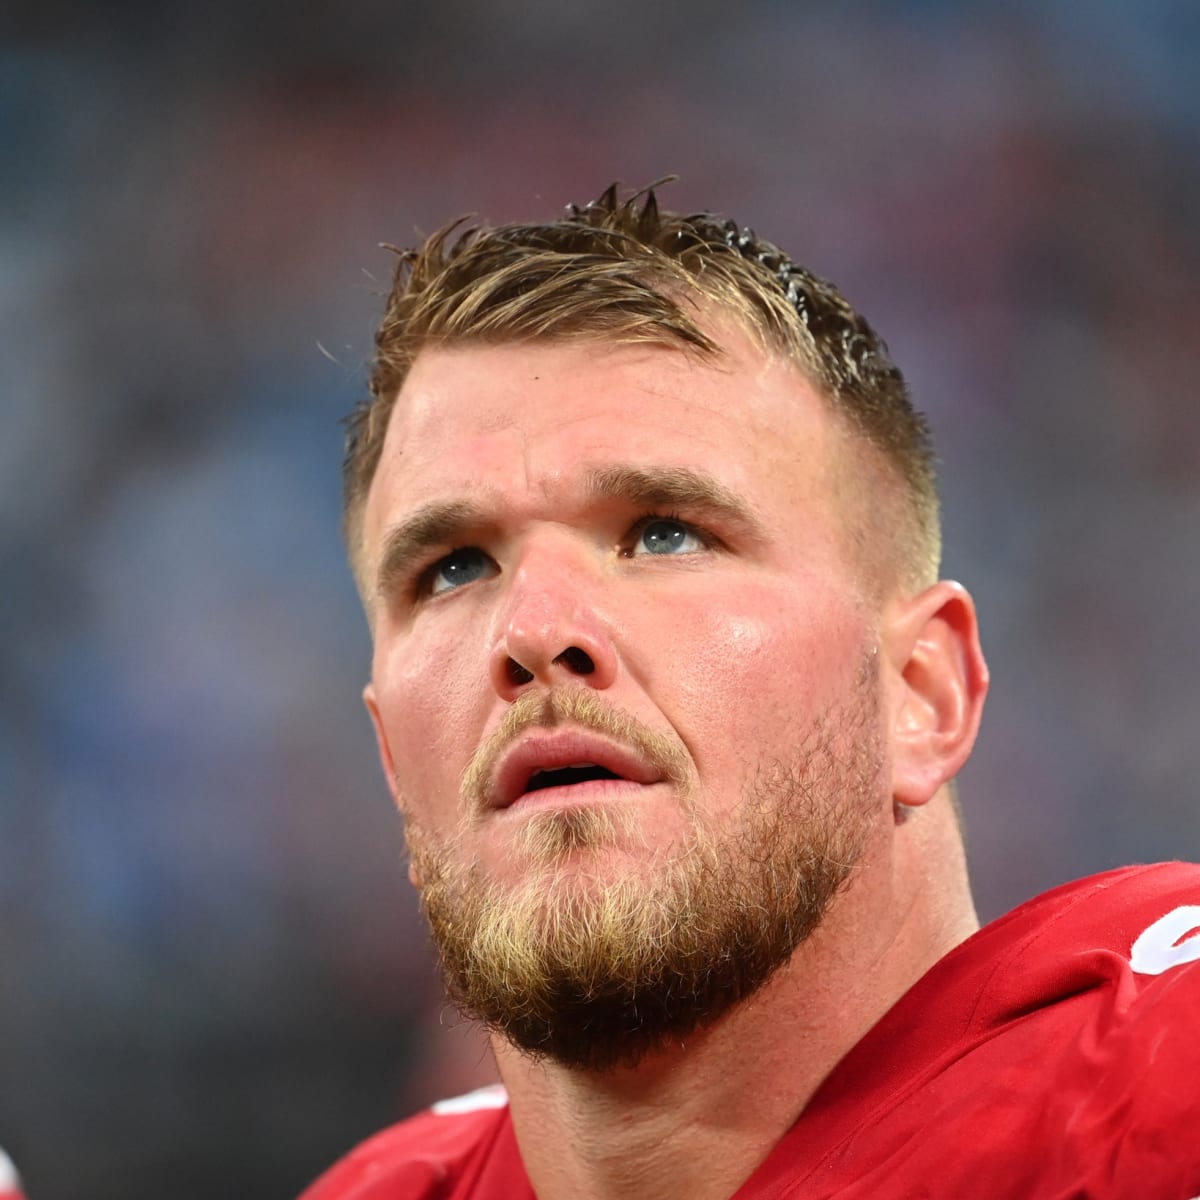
(629, 272)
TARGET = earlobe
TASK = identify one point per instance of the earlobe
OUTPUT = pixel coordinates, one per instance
(941, 681)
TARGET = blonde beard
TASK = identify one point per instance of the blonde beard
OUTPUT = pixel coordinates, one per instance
(596, 971)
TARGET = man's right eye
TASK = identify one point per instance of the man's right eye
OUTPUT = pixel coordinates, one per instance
(458, 569)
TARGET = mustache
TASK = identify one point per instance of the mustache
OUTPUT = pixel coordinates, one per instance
(582, 708)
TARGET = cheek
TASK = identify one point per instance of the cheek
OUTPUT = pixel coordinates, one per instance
(426, 688)
(754, 669)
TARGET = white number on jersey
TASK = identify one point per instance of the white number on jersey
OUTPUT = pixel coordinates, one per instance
(1165, 944)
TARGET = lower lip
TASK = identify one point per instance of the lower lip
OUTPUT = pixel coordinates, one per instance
(570, 795)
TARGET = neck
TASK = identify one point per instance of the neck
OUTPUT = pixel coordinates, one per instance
(696, 1118)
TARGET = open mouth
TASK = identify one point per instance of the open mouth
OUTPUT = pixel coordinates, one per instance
(571, 765)
(565, 776)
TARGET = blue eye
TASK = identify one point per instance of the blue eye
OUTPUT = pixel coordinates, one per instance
(460, 568)
(664, 535)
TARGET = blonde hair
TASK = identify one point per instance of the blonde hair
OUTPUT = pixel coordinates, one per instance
(627, 272)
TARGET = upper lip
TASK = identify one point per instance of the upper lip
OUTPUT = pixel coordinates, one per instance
(551, 750)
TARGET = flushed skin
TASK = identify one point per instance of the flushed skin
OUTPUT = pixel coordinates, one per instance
(732, 648)
(773, 626)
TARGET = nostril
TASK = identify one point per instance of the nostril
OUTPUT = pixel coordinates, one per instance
(516, 673)
(578, 660)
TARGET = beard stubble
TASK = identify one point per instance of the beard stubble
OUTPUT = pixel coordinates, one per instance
(595, 972)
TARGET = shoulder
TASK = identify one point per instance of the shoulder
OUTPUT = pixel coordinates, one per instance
(1129, 939)
(1100, 991)
(1109, 956)
(426, 1157)
(1125, 913)
(1109, 902)
(1081, 1037)
(1053, 1053)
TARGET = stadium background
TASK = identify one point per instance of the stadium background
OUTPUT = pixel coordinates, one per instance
(212, 977)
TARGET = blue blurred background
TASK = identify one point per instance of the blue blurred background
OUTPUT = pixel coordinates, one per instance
(212, 975)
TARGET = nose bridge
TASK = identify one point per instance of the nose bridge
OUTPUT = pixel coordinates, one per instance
(551, 591)
(551, 623)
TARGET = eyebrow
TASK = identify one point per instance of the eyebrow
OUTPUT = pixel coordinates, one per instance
(432, 526)
(674, 487)
(439, 524)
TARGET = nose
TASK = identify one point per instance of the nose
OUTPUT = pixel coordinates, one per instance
(552, 628)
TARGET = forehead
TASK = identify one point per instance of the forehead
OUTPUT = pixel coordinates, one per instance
(529, 420)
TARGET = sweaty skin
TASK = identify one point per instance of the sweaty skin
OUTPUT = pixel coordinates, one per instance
(509, 524)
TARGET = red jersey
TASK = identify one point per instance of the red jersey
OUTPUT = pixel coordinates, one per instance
(1052, 1055)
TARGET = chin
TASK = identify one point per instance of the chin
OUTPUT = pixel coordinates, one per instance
(560, 837)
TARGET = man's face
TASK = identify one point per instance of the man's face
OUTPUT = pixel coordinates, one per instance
(623, 676)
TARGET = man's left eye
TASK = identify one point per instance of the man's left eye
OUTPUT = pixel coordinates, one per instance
(665, 535)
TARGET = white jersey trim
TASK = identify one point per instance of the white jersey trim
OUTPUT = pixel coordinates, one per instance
(8, 1174)
(492, 1096)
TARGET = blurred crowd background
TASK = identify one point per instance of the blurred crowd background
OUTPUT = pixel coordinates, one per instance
(212, 975)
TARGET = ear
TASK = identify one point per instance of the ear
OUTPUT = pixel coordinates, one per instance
(386, 762)
(940, 680)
